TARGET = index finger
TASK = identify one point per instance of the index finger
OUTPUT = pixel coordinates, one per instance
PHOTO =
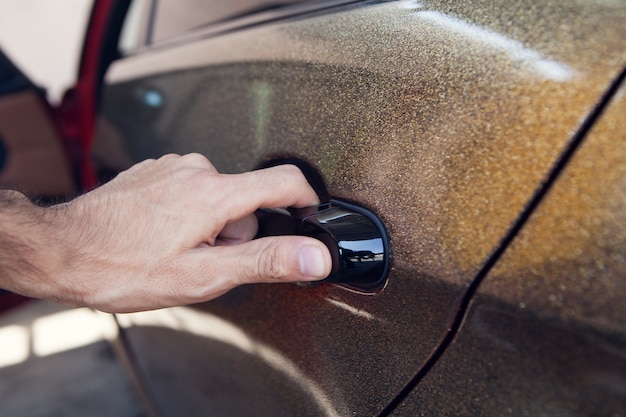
(279, 186)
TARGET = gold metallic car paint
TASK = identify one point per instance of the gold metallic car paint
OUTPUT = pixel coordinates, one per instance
(570, 261)
(442, 118)
(546, 334)
(470, 118)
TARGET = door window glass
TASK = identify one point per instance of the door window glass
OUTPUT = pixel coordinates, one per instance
(134, 30)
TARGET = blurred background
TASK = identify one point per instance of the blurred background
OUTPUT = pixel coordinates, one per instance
(55, 361)
(44, 38)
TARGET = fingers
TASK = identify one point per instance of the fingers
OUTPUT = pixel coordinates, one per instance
(280, 186)
(218, 269)
(238, 232)
(278, 259)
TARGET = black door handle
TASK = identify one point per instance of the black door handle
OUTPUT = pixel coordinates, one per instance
(355, 237)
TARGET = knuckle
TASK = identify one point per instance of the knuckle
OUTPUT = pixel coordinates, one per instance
(294, 175)
(169, 156)
(165, 159)
(194, 157)
(207, 181)
(197, 160)
(294, 170)
(291, 171)
(271, 265)
(140, 165)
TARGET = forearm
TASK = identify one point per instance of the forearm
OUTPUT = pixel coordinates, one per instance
(27, 251)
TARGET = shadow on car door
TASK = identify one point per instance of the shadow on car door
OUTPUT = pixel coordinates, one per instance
(443, 122)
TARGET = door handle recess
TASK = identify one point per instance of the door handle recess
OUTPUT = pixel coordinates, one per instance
(356, 238)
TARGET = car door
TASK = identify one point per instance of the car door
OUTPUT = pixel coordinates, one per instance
(443, 119)
(544, 334)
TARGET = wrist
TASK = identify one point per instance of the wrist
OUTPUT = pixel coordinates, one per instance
(31, 256)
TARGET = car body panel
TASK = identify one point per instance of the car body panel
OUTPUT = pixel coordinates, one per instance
(442, 118)
(551, 314)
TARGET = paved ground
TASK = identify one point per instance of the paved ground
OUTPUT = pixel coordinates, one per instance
(55, 362)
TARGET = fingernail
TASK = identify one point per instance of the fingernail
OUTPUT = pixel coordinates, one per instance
(312, 262)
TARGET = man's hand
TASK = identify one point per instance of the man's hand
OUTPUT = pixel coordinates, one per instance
(165, 232)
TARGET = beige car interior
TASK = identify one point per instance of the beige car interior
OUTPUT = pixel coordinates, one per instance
(34, 159)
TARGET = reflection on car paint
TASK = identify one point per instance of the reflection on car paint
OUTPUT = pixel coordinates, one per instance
(207, 325)
(442, 117)
(547, 68)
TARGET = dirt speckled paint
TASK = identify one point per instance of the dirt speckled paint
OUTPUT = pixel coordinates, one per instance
(570, 261)
(458, 120)
(551, 315)
(442, 118)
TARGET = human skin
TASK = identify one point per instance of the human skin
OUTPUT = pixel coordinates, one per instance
(166, 232)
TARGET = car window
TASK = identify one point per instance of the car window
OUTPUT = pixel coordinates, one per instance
(134, 30)
(176, 17)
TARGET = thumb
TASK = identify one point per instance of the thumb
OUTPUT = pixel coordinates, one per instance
(277, 259)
